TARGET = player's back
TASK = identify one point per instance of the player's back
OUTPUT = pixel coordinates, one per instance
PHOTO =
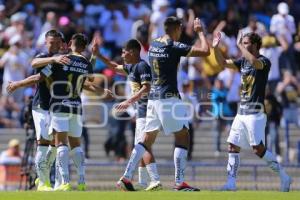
(164, 57)
(68, 82)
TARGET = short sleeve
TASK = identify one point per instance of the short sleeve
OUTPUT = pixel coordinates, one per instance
(41, 55)
(181, 49)
(144, 71)
(126, 68)
(266, 62)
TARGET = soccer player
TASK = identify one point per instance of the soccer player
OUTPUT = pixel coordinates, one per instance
(46, 151)
(249, 124)
(165, 108)
(139, 73)
(65, 111)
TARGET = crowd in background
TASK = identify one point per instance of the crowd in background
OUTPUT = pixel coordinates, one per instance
(23, 25)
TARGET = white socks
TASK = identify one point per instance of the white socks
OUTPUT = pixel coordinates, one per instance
(143, 176)
(232, 167)
(180, 159)
(41, 164)
(51, 155)
(153, 173)
(62, 163)
(136, 155)
(78, 159)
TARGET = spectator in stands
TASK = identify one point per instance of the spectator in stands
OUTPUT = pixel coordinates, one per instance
(12, 155)
(160, 8)
(289, 91)
(255, 26)
(271, 50)
(283, 25)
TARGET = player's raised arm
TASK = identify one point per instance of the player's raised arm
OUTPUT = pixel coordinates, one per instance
(111, 64)
(203, 50)
(229, 63)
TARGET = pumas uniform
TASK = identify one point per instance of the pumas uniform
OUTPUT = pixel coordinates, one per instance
(165, 108)
(138, 75)
(248, 127)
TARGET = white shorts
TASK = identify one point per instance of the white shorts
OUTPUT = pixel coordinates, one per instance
(170, 114)
(66, 122)
(248, 130)
(139, 130)
(41, 119)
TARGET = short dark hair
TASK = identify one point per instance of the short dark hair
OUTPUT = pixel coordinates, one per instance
(254, 39)
(171, 23)
(133, 44)
(80, 40)
(53, 33)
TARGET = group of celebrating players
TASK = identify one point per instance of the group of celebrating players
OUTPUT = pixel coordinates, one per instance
(61, 75)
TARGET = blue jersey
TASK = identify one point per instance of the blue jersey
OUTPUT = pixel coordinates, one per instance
(138, 75)
(253, 85)
(67, 84)
(164, 57)
(42, 95)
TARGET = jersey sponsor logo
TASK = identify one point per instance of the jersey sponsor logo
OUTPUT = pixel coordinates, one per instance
(67, 102)
(79, 64)
(145, 75)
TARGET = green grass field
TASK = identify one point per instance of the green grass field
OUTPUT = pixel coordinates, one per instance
(161, 195)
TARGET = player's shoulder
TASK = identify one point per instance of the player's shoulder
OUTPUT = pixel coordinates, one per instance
(142, 64)
(265, 60)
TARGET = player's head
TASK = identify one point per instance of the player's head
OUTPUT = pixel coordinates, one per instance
(78, 42)
(131, 51)
(53, 40)
(173, 27)
(252, 42)
(64, 46)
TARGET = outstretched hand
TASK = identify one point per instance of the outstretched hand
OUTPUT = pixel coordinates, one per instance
(239, 38)
(198, 25)
(216, 39)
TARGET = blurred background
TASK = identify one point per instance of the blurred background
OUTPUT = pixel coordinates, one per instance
(108, 140)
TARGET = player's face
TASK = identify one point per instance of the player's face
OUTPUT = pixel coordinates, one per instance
(248, 45)
(127, 56)
(53, 44)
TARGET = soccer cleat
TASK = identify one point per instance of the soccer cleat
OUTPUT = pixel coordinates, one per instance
(154, 186)
(81, 187)
(44, 187)
(285, 183)
(185, 187)
(228, 187)
(125, 184)
(36, 181)
(64, 187)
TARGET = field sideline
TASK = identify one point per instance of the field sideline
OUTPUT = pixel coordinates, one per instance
(161, 195)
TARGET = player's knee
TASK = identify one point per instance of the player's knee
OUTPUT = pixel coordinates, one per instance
(233, 148)
(259, 150)
(43, 142)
